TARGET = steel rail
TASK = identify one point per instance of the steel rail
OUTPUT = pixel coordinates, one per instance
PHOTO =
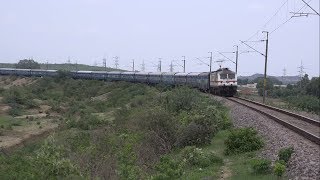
(304, 118)
(312, 137)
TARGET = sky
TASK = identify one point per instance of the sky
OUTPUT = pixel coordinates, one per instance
(86, 31)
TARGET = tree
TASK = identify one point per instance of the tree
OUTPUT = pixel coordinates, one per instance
(304, 81)
(28, 64)
(269, 86)
(243, 81)
(313, 88)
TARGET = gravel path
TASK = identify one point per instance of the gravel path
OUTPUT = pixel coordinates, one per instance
(305, 162)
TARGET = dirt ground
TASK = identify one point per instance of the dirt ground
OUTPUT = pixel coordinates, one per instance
(33, 123)
(6, 81)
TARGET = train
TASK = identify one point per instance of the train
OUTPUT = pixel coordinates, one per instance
(220, 82)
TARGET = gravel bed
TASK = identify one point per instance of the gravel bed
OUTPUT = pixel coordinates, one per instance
(308, 114)
(304, 163)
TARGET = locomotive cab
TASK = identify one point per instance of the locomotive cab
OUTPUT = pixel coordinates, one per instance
(223, 82)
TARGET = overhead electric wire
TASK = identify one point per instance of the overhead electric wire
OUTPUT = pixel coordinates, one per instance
(286, 1)
(288, 19)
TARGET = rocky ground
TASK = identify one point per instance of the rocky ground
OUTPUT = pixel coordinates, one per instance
(305, 162)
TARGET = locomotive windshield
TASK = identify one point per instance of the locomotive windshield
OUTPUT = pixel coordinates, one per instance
(223, 76)
(231, 76)
(227, 76)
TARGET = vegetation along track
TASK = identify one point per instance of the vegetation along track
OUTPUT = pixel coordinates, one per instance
(307, 127)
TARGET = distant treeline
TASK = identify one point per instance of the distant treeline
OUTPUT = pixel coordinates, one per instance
(32, 64)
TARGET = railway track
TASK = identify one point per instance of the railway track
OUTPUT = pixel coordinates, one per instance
(306, 127)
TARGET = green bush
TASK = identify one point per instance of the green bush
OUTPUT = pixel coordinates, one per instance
(181, 98)
(279, 169)
(285, 154)
(199, 158)
(159, 125)
(243, 140)
(15, 111)
(168, 169)
(127, 158)
(51, 161)
(79, 141)
(195, 134)
(305, 102)
(261, 166)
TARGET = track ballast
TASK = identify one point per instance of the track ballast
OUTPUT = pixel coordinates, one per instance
(306, 127)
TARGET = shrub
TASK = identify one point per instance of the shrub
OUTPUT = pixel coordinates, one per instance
(51, 161)
(261, 166)
(181, 98)
(15, 111)
(305, 102)
(159, 125)
(279, 169)
(197, 157)
(168, 169)
(79, 142)
(243, 140)
(16, 123)
(127, 168)
(195, 134)
(285, 154)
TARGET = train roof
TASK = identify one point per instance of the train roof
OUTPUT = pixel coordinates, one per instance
(100, 72)
(130, 72)
(142, 73)
(114, 72)
(39, 70)
(169, 73)
(194, 74)
(224, 70)
(7, 68)
(155, 73)
(84, 71)
(181, 74)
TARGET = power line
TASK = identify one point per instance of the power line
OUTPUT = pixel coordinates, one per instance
(311, 7)
(287, 20)
(269, 20)
(116, 62)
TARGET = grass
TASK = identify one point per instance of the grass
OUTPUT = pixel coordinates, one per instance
(239, 165)
(120, 133)
(8, 122)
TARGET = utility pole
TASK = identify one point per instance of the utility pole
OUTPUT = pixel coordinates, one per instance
(237, 58)
(143, 66)
(47, 65)
(265, 68)
(76, 65)
(184, 63)
(132, 65)
(171, 67)
(159, 66)
(210, 60)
